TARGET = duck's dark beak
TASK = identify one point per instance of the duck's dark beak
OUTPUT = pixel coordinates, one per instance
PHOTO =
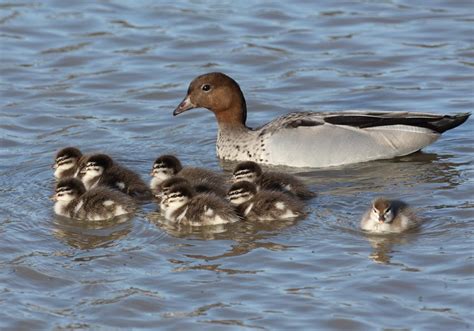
(185, 105)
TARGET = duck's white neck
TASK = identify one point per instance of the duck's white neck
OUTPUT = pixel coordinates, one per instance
(237, 143)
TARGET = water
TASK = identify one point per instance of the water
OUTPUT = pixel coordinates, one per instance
(106, 75)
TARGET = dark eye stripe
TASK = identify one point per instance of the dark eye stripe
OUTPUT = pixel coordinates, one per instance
(61, 158)
(239, 191)
(242, 172)
(64, 190)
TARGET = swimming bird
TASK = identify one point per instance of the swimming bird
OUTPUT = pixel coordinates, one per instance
(311, 139)
(263, 205)
(271, 180)
(101, 203)
(67, 162)
(181, 204)
(389, 216)
(167, 166)
(100, 169)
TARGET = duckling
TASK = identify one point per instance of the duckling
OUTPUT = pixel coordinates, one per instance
(67, 162)
(263, 205)
(167, 166)
(100, 169)
(389, 216)
(100, 203)
(271, 180)
(311, 139)
(181, 204)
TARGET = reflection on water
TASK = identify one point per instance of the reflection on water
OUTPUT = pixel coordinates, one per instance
(89, 235)
(178, 230)
(383, 245)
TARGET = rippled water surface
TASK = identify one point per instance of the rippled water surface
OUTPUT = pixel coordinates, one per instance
(106, 75)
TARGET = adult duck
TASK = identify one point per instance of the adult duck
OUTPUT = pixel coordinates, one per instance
(311, 139)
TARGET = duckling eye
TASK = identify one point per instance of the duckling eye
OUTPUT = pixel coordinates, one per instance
(206, 87)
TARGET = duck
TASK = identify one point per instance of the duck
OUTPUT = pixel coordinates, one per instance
(311, 139)
(101, 170)
(72, 200)
(271, 180)
(389, 216)
(67, 162)
(167, 166)
(184, 206)
(263, 205)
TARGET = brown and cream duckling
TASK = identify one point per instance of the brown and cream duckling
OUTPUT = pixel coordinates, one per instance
(263, 205)
(100, 169)
(67, 162)
(167, 166)
(101, 203)
(271, 180)
(183, 205)
(389, 216)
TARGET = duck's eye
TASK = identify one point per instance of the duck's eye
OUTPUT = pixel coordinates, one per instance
(206, 87)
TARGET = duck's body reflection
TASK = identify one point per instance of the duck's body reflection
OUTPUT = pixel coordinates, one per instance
(89, 235)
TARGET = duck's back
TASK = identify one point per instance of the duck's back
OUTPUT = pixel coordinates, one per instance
(197, 176)
(269, 206)
(208, 209)
(102, 203)
(311, 139)
(282, 182)
(126, 181)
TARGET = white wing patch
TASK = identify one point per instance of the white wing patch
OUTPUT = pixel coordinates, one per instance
(108, 203)
(120, 185)
(248, 209)
(280, 205)
(289, 214)
(119, 210)
(209, 212)
(78, 206)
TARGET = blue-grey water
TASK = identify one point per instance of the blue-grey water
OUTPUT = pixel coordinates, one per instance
(106, 76)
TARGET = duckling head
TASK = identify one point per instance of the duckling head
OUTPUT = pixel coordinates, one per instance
(95, 166)
(246, 171)
(66, 159)
(382, 211)
(164, 168)
(218, 93)
(68, 189)
(166, 185)
(178, 195)
(241, 192)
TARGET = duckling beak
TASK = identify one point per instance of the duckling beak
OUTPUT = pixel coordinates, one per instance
(185, 105)
(381, 219)
(53, 198)
(54, 165)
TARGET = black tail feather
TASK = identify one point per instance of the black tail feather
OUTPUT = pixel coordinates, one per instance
(438, 124)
